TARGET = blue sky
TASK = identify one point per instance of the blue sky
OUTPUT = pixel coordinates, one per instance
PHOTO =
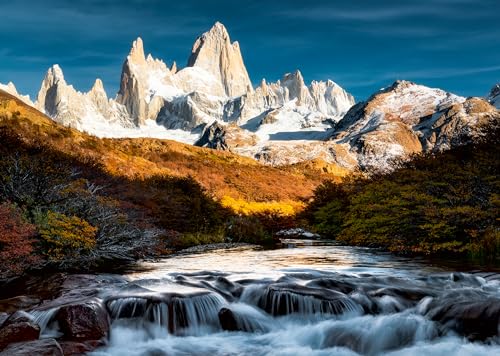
(361, 44)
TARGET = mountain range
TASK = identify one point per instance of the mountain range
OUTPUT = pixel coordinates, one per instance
(211, 102)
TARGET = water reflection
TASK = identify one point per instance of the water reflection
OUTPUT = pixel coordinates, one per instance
(298, 255)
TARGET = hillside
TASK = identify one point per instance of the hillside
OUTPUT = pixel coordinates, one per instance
(221, 173)
(446, 203)
(70, 200)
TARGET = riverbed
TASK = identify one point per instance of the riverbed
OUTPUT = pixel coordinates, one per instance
(308, 298)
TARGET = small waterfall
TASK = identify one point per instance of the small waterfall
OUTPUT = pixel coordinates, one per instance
(244, 317)
(127, 307)
(45, 319)
(285, 299)
(179, 314)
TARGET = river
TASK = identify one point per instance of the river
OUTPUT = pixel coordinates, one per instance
(309, 298)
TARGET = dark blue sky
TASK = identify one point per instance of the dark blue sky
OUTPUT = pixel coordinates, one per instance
(362, 45)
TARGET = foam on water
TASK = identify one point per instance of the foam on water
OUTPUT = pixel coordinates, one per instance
(356, 301)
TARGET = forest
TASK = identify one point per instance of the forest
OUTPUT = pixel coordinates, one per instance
(442, 203)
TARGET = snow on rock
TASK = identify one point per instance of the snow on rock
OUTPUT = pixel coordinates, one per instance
(11, 89)
(494, 96)
(214, 52)
(277, 123)
(408, 118)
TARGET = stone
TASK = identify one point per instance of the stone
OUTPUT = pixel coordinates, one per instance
(213, 137)
(18, 330)
(42, 347)
(228, 320)
(472, 318)
(83, 321)
(80, 348)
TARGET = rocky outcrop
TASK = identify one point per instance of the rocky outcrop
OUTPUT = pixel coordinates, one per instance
(142, 79)
(407, 118)
(494, 96)
(71, 108)
(11, 89)
(214, 52)
(325, 98)
(214, 137)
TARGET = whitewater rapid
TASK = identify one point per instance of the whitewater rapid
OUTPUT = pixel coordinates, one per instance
(308, 299)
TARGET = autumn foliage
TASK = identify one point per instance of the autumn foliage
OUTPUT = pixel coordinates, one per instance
(437, 204)
(17, 238)
(66, 236)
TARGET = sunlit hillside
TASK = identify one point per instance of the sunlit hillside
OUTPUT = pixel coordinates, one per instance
(223, 174)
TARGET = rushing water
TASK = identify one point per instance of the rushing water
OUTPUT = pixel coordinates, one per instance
(307, 299)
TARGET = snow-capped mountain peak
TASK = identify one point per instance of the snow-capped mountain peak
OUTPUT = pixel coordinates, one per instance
(214, 52)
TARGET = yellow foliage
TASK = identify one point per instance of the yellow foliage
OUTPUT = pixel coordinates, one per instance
(66, 236)
(243, 207)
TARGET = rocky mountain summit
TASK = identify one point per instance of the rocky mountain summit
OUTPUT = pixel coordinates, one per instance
(494, 97)
(212, 103)
(11, 89)
(408, 118)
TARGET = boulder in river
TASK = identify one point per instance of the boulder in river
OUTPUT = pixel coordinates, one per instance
(80, 348)
(42, 347)
(18, 327)
(84, 321)
(228, 320)
(474, 319)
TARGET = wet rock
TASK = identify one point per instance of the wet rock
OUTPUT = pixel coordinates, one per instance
(80, 348)
(19, 316)
(412, 295)
(227, 320)
(18, 332)
(21, 302)
(344, 287)
(85, 321)
(42, 347)
(474, 319)
(3, 317)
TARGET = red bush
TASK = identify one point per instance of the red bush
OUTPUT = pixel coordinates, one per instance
(16, 241)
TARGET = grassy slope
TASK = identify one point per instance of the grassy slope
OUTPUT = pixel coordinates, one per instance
(221, 173)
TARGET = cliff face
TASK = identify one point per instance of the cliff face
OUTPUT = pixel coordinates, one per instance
(211, 102)
(214, 52)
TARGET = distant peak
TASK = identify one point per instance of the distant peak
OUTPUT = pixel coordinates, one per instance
(214, 52)
(218, 27)
(55, 74)
(98, 86)
(495, 91)
(11, 86)
(401, 84)
(295, 76)
(137, 51)
(173, 69)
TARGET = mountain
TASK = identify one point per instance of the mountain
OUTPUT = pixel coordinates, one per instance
(214, 52)
(408, 118)
(494, 96)
(11, 89)
(211, 103)
(222, 174)
(156, 100)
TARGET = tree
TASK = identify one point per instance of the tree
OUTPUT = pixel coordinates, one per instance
(17, 238)
(66, 236)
